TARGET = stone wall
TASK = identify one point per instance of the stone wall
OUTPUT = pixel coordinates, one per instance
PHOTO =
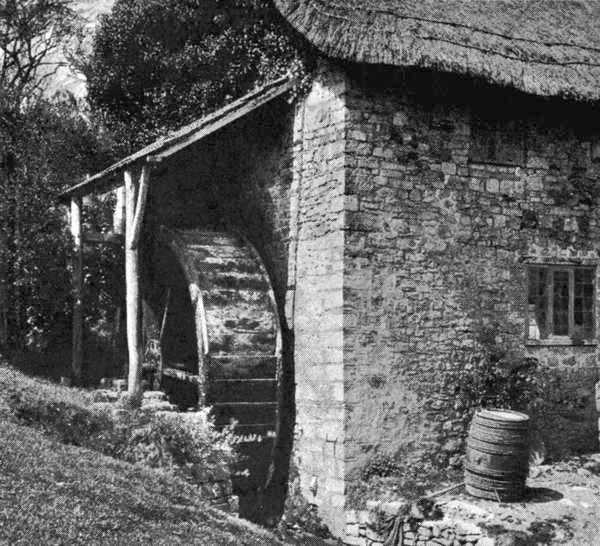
(435, 248)
(363, 529)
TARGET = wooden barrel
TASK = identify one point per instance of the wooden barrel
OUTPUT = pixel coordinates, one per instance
(497, 458)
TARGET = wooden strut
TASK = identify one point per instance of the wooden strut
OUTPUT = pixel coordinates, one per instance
(135, 203)
(163, 325)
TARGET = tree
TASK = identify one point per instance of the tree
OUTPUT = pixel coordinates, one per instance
(47, 147)
(157, 65)
(44, 146)
(32, 33)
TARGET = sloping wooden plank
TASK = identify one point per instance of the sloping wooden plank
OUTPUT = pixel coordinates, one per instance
(230, 118)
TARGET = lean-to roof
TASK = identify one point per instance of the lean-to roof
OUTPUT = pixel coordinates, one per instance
(169, 145)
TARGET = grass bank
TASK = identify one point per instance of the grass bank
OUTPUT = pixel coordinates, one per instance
(53, 492)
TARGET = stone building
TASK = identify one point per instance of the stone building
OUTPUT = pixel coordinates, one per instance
(434, 195)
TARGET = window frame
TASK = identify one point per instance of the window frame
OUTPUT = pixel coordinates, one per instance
(554, 339)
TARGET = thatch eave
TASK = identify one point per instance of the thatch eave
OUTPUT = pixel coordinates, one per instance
(548, 48)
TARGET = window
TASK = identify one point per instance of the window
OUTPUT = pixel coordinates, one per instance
(560, 303)
(497, 142)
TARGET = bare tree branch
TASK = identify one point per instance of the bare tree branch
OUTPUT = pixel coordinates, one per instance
(32, 32)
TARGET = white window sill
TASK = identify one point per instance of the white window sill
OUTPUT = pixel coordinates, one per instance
(560, 342)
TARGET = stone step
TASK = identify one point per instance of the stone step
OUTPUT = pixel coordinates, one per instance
(105, 395)
(157, 405)
(158, 396)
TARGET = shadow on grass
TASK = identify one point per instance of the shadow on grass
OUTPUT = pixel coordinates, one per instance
(99, 361)
(541, 495)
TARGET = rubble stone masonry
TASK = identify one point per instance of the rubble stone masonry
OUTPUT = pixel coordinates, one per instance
(406, 244)
(437, 242)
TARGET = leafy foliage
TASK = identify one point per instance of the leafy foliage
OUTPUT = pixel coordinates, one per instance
(496, 374)
(390, 477)
(44, 149)
(158, 65)
(380, 465)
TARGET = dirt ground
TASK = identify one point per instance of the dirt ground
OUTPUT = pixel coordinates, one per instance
(562, 507)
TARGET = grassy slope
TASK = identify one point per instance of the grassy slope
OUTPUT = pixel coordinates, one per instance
(52, 493)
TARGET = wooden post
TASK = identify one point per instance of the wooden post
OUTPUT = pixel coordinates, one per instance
(118, 229)
(77, 362)
(119, 212)
(135, 197)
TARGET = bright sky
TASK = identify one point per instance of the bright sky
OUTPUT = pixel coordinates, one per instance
(66, 78)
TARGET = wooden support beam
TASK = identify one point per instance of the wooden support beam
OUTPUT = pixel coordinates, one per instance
(97, 238)
(77, 360)
(135, 203)
(140, 206)
(182, 375)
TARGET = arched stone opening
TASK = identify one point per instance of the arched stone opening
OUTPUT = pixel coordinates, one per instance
(221, 344)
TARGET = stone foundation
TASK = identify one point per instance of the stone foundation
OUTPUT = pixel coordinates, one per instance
(437, 241)
(362, 530)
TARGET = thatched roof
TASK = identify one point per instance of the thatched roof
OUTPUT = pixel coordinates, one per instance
(544, 47)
